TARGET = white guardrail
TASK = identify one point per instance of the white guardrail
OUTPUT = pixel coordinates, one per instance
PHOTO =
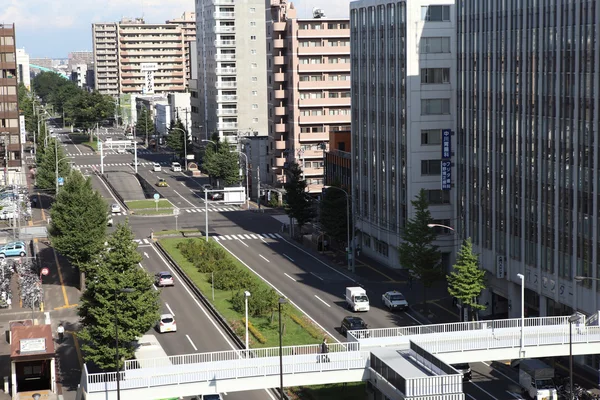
(232, 364)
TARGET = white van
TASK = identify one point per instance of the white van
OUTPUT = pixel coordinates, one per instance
(176, 167)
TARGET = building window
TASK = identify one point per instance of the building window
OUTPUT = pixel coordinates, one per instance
(435, 106)
(437, 197)
(254, 79)
(254, 93)
(431, 45)
(435, 13)
(255, 106)
(255, 120)
(254, 65)
(253, 52)
(252, 9)
(381, 247)
(435, 75)
(253, 37)
(253, 23)
(431, 136)
(431, 167)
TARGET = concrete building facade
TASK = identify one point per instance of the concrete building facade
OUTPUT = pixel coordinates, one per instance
(403, 56)
(10, 132)
(309, 82)
(187, 22)
(23, 70)
(232, 78)
(125, 52)
(79, 75)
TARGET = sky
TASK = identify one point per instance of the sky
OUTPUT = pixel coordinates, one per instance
(54, 28)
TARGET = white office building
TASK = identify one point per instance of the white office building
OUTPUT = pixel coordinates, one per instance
(23, 71)
(403, 58)
(232, 65)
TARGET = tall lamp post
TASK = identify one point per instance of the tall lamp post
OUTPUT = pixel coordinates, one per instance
(522, 278)
(573, 318)
(282, 300)
(117, 368)
(247, 173)
(349, 251)
(185, 140)
(246, 295)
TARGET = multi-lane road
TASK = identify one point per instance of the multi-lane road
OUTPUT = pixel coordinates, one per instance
(310, 283)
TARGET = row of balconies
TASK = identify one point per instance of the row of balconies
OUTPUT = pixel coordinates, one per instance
(152, 52)
(225, 43)
(227, 125)
(226, 85)
(224, 15)
(225, 29)
(8, 81)
(325, 102)
(226, 111)
(324, 67)
(227, 98)
(225, 57)
(322, 50)
(225, 71)
(151, 60)
(179, 81)
(320, 33)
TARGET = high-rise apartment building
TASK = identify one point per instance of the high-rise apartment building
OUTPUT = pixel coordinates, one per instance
(187, 22)
(232, 78)
(403, 67)
(309, 79)
(134, 57)
(527, 168)
(10, 133)
(79, 58)
(23, 70)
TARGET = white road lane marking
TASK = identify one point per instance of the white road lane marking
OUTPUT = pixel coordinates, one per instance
(316, 276)
(171, 311)
(290, 277)
(261, 256)
(504, 375)
(189, 202)
(192, 343)
(242, 242)
(288, 257)
(484, 391)
(322, 301)
(264, 241)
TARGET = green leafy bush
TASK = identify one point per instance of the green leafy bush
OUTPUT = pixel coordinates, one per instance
(261, 303)
(255, 332)
(206, 256)
(231, 278)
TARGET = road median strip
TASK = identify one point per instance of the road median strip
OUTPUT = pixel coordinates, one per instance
(264, 323)
(150, 207)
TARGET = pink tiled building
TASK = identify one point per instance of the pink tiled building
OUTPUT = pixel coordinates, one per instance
(308, 62)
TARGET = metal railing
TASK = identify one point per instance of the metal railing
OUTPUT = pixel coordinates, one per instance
(227, 365)
(402, 332)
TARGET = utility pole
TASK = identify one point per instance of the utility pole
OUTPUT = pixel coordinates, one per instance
(258, 183)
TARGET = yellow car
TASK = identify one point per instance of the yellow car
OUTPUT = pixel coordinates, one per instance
(162, 183)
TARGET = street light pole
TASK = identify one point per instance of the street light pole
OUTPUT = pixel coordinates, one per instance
(522, 277)
(282, 300)
(246, 295)
(247, 173)
(184, 144)
(573, 318)
(117, 367)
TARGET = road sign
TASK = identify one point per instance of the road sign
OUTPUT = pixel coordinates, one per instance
(176, 211)
(45, 271)
(156, 196)
(61, 181)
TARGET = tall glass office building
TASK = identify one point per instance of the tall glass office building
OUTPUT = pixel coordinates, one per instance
(527, 162)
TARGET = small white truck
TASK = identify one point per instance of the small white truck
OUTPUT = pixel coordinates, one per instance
(536, 377)
(356, 299)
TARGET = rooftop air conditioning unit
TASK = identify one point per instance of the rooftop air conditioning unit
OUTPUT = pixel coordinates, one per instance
(318, 13)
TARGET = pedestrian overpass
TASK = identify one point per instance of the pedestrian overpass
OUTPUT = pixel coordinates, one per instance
(383, 357)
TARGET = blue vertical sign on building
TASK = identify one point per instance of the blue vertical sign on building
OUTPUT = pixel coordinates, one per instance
(446, 144)
(446, 163)
(446, 175)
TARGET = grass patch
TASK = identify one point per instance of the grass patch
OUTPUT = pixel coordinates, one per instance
(182, 232)
(160, 211)
(93, 145)
(149, 204)
(268, 326)
(346, 391)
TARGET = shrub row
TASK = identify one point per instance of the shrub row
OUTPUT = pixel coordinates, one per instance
(255, 332)
(308, 326)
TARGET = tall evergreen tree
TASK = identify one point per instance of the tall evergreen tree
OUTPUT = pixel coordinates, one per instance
(334, 214)
(417, 253)
(222, 165)
(298, 204)
(116, 268)
(144, 124)
(46, 164)
(467, 280)
(177, 137)
(78, 222)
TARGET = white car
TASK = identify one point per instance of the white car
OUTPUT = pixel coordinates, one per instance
(156, 167)
(394, 300)
(176, 167)
(167, 323)
(115, 208)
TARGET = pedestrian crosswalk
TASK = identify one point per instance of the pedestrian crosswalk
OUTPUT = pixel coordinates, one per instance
(142, 241)
(211, 209)
(109, 153)
(120, 213)
(142, 164)
(249, 236)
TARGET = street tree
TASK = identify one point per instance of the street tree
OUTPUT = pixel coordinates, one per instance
(467, 279)
(144, 124)
(78, 222)
(417, 252)
(113, 269)
(46, 158)
(176, 138)
(222, 164)
(298, 204)
(334, 214)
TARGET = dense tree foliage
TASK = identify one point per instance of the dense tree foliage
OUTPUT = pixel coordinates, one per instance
(467, 279)
(298, 203)
(334, 214)
(222, 164)
(46, 158)
(144, 125)
(417, 253)
(177, 137)
(115, 268)
(78, 222)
